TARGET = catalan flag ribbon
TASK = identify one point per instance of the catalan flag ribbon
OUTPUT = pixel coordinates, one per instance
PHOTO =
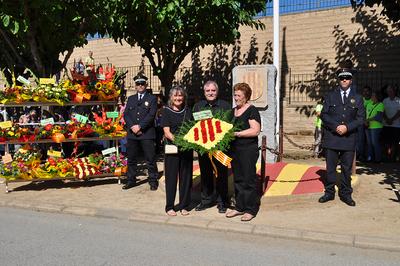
(222, 158)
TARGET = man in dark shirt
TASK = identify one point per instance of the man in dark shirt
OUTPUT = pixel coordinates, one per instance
(342, 115)
(208, 197)
(139, 117)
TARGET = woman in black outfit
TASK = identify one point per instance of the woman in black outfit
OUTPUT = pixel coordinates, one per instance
(180, 165)
(245, 155)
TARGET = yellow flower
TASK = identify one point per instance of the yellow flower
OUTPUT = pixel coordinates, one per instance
(98, 85)
(110, 85)
(67, 84)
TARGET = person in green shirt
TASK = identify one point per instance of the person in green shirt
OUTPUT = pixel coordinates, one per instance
(374, 113)
(362, 131)
(318, 129)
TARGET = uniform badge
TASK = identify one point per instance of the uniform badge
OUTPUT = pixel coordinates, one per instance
(146, 103)
(352, 100)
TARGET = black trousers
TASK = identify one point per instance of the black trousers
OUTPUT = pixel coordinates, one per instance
(148, 147)
(346, 163)
(178, 167)
(245, 177)
(208, 195)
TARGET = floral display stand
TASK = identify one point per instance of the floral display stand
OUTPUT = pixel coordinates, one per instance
(29, 164)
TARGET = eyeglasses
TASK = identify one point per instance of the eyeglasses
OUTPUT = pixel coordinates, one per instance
(345, 78)
(140, 83)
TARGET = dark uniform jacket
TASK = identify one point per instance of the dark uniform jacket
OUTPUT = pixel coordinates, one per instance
(218, 105)
(335, 113)
(141, 113)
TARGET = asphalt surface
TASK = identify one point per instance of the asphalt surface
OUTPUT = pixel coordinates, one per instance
(35, 238)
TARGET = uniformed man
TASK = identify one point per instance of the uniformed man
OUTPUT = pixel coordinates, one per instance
(208, 195)
(342, 114)
(139, 117)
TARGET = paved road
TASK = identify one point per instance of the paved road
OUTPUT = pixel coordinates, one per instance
(34, 238)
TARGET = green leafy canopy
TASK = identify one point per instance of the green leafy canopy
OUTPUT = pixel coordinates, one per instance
(34, 33)
(167, 31)
(391, 8)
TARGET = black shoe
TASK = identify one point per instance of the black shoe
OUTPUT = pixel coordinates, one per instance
(128, 185)
(349, 201)
(326, 198)
(153, 187)
(222, 208)
(202, 207)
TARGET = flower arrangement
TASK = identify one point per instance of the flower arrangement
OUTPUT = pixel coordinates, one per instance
(12, 171)
(77, 92)
(43, 132)
(207, 135)
(115, 164)
(75, 129)
(26, 165)
(25, 160)
(104, 86)
(107, 90)
(16, 94)
(108, 126)
(83, 167)
(50, 93)
(19, 133)
(28, 155)
(52, 168)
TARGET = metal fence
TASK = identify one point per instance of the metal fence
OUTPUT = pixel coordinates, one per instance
(154, 82)
(308, 88)
(297, 6)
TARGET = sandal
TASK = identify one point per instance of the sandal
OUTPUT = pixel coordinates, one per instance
(185, 212)
(171, 213)
(247, 217)
(233, 213)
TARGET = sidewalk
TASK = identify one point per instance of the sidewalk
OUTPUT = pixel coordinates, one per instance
(373, 223)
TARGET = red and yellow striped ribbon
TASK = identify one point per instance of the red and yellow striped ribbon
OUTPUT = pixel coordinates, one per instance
(222, 158)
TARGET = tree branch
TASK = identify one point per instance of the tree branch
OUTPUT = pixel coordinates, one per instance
(32, 41)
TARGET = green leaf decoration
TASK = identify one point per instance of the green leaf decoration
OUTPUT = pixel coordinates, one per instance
(6, 20)
(15, 28)
(222, 145)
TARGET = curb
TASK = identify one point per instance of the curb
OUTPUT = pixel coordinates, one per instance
(357, 241)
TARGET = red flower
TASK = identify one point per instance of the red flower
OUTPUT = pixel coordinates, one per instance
(203, 131)
(218, 126)
(196, 134)
(210, 129)
(48, 127)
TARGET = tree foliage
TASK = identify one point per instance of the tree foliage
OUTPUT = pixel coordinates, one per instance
(167, 31)
(391, 8)
(34, 33)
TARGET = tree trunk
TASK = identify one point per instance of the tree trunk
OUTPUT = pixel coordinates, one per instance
(166, 81)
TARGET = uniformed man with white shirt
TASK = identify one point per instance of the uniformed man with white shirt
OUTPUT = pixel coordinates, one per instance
(342, 114)
(139, 117)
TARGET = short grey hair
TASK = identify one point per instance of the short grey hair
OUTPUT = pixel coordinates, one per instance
(211, 82)
(174, 91)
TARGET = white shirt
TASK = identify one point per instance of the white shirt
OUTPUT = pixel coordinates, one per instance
(346, 92)
(140, 96)
(391, 108)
